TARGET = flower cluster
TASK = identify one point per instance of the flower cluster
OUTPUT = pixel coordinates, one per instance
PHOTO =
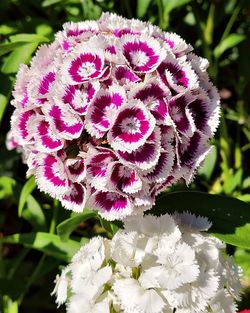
(154, 265)
(111, 113)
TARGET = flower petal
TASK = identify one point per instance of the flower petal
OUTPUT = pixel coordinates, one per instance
(111, 205)
(68, 125)
(83, 65)
(75, 197)
(96, 164)
(131, 128)
(146, 156)
(51, 176)
(100, 113)
(122, 178)
(142, 53)
(134, 298)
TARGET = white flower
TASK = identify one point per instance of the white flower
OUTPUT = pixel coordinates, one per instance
(134, 298)
(153, 265)
(61, 287)
(79, 304)
(223, 303)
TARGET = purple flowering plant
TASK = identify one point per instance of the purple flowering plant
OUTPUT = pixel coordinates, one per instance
(111, 113)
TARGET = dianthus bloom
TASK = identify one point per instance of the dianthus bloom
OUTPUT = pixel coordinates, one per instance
(154, 265)
(111, 113)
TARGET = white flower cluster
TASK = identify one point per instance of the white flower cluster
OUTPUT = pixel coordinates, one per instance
(154, 265)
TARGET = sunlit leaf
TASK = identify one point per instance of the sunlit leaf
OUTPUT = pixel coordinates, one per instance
(18, 56)
(7, 185)
(50, 244)
(246, 183)
(209, 164)
(170, 5)
(233, 182)
(229, 42)
(142, 7)
(8, 47)
(29, 38)
(242, 258)
(240, 238)
(27, 189)
(47, 3)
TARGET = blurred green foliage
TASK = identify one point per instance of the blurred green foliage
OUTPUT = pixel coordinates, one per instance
(32, 248)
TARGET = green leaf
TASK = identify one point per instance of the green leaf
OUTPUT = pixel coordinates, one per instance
(233, 182)
(29, 186)
(170, 5)
(209, 164)
(7, 47)
(33, 213)
(6, 187)
(240, 238)
(20, 40)
(229, 42)
(28, 38)
(3, 103)
(65, 229)
(142, 7)
(47, 3)
(50, 244)
(246, 183)
(242, 258)
(225, 213)
(245, 197)
(44, 29)
(6, 29)
(18, 56)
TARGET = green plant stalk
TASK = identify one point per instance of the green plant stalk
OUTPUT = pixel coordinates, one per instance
(39, 266)
(32, 278)
(225, 151)
(18, 261)
(53, 222)
(201, 30)
(163, 20)
(231, 21)
(209, 28)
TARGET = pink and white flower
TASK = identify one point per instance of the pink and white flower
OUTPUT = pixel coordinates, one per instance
(142, 53)
(131, 128)
(83, 65)
(111, 113)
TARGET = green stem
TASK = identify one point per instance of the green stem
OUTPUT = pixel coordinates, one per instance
(162, 24)
(32, 277)
(201, 30)
(53, 222)
(39, 266)
(209, 29)
(231, 21)
(18, 261)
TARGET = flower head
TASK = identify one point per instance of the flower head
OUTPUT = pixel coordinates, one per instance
(160, 264)
(111, 113)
